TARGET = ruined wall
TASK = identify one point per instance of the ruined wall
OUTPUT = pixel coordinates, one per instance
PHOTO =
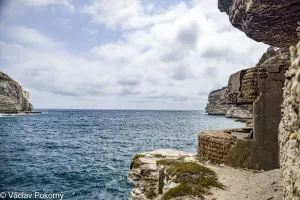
(289, 129)
(215, 145)
(242, 87)
(265, 93)
(267, 107)
(242, 90)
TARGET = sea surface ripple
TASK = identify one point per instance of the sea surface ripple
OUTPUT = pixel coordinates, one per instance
(86, 154)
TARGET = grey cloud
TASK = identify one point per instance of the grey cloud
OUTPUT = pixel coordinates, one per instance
(128, 82)
(219, 86)
(214, 52)
(203, 93)
(66, 93)
(210, 71)
(171, 98)
(181, 73)
(189, 35)
(128, 91)
(186, 40)
(172, 55)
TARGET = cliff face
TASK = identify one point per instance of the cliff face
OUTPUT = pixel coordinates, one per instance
(276, 23)
(289, 129)
(216, 102)
(13, 99)
(273, 22)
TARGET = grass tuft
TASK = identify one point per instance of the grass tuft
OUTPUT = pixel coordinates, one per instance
(136, 163)
(193, 179)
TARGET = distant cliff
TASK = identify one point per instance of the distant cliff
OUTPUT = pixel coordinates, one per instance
(13, 99)
(216, 102)
(237, 98)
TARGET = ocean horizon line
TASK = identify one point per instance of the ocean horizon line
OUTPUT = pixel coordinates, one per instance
(115, 109)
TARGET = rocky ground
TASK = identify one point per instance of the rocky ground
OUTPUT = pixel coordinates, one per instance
(240, 184)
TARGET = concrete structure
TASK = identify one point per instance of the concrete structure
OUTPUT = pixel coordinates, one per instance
(260, 149)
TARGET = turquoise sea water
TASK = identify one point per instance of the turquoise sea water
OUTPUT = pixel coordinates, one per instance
(85, 154)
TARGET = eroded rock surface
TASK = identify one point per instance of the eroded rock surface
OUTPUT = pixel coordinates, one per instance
(149, 178)
(273, 22)
(13, 99)
(216, 102)
(242, 111)
(289, 129)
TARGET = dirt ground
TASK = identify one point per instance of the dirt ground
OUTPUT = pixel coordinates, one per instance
(247, 184)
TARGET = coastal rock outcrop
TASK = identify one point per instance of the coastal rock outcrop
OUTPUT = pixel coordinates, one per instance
(171, 174)
(13, 99)
(273, 22)
(216, 102)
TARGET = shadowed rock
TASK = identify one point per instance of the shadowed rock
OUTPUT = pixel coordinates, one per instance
(273, 22)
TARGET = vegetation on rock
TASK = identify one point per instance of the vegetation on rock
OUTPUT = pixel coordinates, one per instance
(193, 179)
(136, 161)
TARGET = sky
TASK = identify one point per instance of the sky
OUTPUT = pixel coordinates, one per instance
(130, 54)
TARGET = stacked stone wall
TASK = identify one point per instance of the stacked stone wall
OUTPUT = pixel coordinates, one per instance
(215, 145)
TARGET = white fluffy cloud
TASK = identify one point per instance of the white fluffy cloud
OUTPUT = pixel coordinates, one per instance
(166, 57)
(131, 13)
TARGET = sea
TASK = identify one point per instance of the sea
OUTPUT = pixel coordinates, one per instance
(86, 154)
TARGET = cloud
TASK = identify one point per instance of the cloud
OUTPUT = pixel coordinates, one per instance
(165, 57)
(90, 31)
(130, 14)
(29, 36)
(189, 35)
(117, 51)
(44, 3)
